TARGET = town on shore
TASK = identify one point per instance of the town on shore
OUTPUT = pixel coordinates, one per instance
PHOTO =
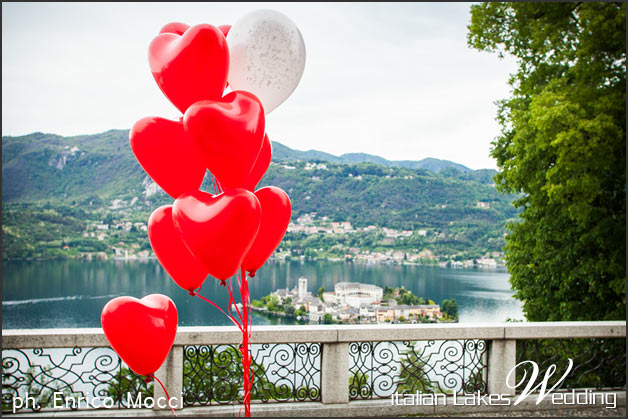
(118, 232)
(310, 224)
(355, 303)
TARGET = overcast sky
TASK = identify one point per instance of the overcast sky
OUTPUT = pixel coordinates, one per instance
(392, 79)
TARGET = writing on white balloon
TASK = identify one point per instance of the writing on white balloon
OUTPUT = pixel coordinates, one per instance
(267, 56)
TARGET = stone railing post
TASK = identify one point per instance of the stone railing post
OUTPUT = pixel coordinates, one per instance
(171, 375)
(335, 373)
(501, 359)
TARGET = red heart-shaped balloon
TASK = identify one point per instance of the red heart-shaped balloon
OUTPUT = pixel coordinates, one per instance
(172, 253)
(276, 210)
(219, 229)
(228, 134)
(260, 166)
(192, 66)
(167, 155)
(224, 29)
(178, 28)
(141, 331)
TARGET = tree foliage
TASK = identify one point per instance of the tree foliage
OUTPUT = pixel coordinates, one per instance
(412, 377)
(450, 308)
(562, 146)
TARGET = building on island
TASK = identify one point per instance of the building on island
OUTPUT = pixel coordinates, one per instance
(302, 287)
(355, 303)
(355, 294)
(394, 313)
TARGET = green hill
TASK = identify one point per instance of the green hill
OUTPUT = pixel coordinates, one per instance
(49, 167)
(281, 152)
(54, 188)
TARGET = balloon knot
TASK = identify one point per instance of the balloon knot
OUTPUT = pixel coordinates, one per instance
(148, 379)
(252, 274)
(192, 293)
(223, 282)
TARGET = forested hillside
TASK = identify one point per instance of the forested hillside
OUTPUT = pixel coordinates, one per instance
(54, 188)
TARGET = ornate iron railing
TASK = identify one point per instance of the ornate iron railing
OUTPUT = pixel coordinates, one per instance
(380, 369)
(327, 366)
(212, 374)
(597, 363)
(69, 379)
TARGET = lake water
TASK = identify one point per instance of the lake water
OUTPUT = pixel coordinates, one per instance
(72, 293)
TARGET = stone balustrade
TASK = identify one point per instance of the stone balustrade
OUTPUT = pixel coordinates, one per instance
(335, 355)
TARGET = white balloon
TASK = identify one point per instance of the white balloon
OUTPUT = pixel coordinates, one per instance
(267, 56)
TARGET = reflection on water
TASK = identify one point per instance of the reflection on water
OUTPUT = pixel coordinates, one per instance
(69, 293)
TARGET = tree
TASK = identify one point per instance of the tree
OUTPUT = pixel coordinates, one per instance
(452, 308)
(359, 384)
(289, 310)
(562, 149)
(215, 374)
(412, 377)
(38, 383)
(408, 298)
(321, 290)
(273, 303)
(126, 382)
(109, 219)
(444, 306)
(327, 319)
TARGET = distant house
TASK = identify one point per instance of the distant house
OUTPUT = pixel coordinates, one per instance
(385, 313)
(394, 313)
(281, 294)
(487, 262)
(485, 205)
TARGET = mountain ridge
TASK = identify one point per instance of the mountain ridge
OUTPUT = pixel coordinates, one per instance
(54, 188)
(283, 152)
(428, 163)
(41, 166)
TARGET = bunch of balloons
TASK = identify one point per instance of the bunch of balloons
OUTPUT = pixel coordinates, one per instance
(237, 228)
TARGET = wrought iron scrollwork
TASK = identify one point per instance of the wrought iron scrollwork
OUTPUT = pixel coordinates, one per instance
(80, 377)
(379, 369)
(597, 363)
(212, 374)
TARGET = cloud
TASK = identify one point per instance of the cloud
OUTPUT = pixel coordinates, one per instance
(393, 79)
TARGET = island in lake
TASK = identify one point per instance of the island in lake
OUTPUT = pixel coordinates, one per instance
(353, 302)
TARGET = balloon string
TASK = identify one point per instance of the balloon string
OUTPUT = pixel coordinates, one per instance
(246, 335)
(167, 396)
(229, 316)
(232, 300)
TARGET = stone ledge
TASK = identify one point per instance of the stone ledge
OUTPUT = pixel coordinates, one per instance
(558, 330)
(380, 407)
(401, 332)
(94, 337)
(260, 334)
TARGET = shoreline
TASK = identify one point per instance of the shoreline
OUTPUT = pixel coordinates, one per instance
(284, 315)
(146, 258)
